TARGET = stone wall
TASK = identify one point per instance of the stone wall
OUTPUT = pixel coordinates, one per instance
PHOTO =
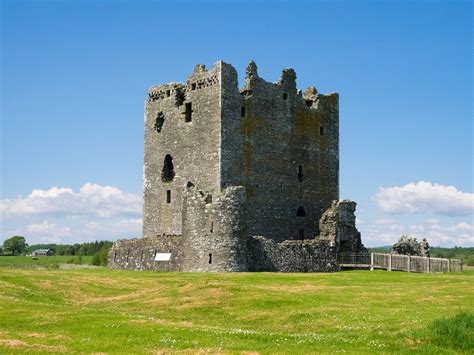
(215, 237)
(310, 255)
(139, 254)
(223, 164)
(283, 148)
(192, 142)
(338, 227)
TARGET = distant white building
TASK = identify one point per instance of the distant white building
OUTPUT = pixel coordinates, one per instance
(42, 252)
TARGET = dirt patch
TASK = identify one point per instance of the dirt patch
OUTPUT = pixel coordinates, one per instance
(36, 335)
(188, 351)
(13, 343)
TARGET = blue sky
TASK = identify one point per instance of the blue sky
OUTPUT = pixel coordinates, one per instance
(74, 78)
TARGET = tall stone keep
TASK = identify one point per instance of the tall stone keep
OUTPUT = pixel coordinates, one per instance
(280, 145)
(223, 165)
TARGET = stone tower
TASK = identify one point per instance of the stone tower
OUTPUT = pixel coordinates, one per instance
(280, 145)
(232, 177)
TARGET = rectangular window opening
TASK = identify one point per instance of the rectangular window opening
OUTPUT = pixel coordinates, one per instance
(168, 93)
(193, 86)
(210, 258)
(188, 112)
(301, 234)
(321, 130)
(243, 111)
(168, 196)
(285, 96)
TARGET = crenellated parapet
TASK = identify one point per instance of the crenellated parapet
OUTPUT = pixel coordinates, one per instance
(199, 79)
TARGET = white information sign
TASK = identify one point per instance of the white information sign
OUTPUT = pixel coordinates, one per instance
(162, 256)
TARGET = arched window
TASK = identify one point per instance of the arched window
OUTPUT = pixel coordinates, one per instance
(167, 174)
(300, 212)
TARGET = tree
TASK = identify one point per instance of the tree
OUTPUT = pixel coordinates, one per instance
(15, 245)
(410, 246)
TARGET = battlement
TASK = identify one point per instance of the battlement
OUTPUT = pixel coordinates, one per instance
(199, 79)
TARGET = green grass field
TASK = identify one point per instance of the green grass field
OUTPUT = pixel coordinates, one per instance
(41, 261)
(97, 310)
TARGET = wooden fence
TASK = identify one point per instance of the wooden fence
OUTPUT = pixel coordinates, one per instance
(399, 262)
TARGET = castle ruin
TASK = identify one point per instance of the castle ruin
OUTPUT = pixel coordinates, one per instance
(240, 179)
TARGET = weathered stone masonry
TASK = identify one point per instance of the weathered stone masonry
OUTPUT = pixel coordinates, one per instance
(223, 165)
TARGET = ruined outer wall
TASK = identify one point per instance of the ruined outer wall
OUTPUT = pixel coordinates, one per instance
(194, 146)
(139, 254)
(268, 132)
(214, 237)
(291, 256)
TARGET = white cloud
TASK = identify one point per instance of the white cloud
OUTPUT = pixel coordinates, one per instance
(396, 227)
(92, 199)
(417, 228)
(425, 197)
(62, 215)
(48, 232)
(464, 227)
(439, 234)
(384, 221)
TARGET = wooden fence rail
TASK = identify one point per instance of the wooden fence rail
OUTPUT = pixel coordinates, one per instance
(399, 262)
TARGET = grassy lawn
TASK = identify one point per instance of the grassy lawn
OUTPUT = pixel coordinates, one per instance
(101, 310)
(40, 261)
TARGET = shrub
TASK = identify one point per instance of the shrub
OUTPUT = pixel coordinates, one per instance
(470, 261)
(100, 258)
(75, 260)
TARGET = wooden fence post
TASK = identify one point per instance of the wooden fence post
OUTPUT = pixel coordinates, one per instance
(389, 262)
(408, 263)
(372, 261)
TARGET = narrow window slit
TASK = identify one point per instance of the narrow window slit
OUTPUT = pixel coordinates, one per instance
(168, 196)
(300, 173)
(321, 130)
(243, 111)
(301, 234)
(210, 258)
(188, 113)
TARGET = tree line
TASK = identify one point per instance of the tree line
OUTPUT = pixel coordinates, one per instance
(99, 250)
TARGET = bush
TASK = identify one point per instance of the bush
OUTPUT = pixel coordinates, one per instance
(470, 261)
(75, 260)
(456, 332)
(101, 257)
